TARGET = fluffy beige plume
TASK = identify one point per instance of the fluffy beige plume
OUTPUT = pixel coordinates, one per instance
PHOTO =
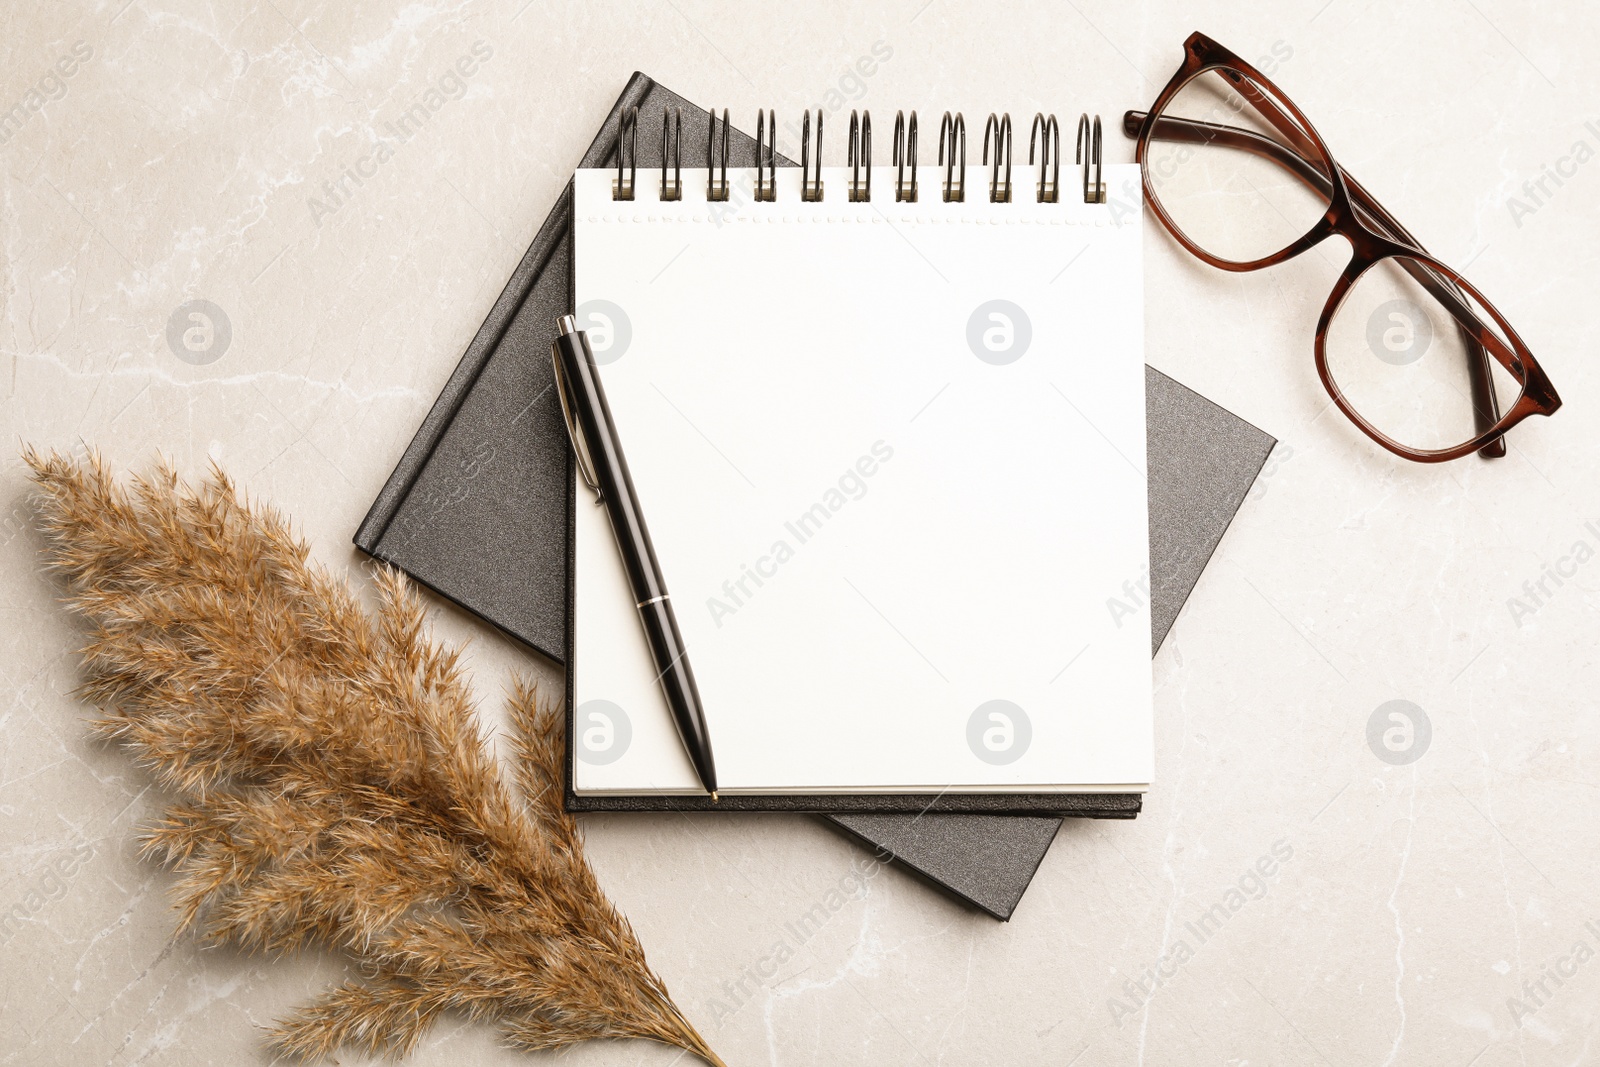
(331, 787)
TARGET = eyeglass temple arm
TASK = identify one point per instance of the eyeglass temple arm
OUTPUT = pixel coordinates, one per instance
(1485, 405)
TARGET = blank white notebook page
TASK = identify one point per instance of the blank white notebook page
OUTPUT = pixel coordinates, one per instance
(892, 459)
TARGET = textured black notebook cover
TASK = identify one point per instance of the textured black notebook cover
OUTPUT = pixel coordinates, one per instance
(475, 509)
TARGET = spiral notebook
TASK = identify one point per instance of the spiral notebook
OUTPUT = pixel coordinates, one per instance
(477, 509)
(887, 424)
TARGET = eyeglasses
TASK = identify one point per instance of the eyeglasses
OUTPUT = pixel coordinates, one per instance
(1407, 348)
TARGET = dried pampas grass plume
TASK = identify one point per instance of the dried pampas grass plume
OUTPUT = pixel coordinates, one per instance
(332, 788)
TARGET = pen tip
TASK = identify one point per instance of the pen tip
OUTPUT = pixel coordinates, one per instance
(713, 796)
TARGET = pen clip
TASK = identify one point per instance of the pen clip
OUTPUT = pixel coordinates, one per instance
(580, 447)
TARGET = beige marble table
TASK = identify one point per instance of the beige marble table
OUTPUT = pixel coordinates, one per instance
(1436, 911)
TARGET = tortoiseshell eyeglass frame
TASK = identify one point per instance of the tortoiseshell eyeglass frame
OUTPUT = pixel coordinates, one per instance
(1374, 236)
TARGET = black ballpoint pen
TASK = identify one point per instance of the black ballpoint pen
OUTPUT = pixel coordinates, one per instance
(600, 461)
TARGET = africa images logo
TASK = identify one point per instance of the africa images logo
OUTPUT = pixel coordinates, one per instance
(1399, 332)
(1399, 732)
(198, 332)
(608, 327)
(999, 332)
(999, 732)
(603, 730)
(851, 485)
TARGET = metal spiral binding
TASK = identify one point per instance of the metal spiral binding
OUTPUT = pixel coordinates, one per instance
(957, 129)
(672, 148)
(766, 156)
(716, 180)
(1093, 192)
(1001, 127)
(860, 156)
(810, 188)
(627, 144)
(1049, 153)
(1044, 151)
(905, 155)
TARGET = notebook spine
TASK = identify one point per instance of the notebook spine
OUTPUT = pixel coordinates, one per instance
(1044, 151)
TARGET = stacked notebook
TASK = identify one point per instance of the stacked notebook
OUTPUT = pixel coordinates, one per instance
(482, 507)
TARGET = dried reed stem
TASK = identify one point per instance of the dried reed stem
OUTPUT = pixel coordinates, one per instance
(331, 785)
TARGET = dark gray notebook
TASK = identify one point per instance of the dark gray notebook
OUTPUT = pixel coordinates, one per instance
(476, 510)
